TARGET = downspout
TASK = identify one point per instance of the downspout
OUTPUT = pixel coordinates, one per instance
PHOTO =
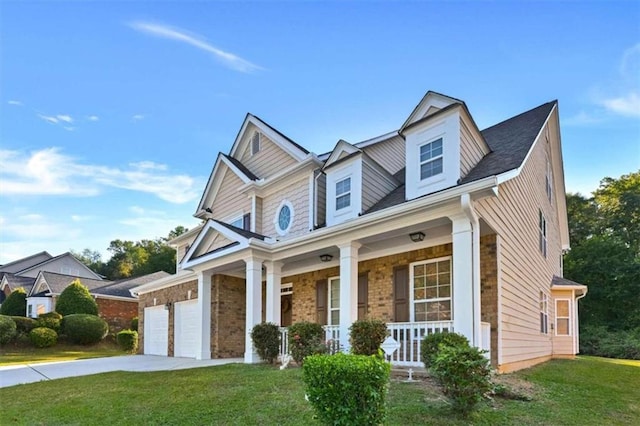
(577, 323)
(467, 208)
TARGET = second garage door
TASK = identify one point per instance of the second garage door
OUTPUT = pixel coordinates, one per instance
(186, 329)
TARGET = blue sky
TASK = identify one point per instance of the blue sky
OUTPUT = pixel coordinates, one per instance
(112, 113)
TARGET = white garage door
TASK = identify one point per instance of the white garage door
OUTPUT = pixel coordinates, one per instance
(186, 329)
(156, 331)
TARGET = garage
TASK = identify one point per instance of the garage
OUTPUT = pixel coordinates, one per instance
(156, 331)
(186, 329)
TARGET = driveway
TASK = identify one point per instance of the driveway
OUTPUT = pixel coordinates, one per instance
(29, 373)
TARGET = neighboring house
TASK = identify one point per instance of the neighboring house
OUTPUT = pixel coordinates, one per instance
(436, 226)
(116, 305)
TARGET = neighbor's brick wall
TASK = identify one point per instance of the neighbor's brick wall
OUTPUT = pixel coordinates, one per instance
(117, 313)
(228, 300)
(489, 289)
(173, 294)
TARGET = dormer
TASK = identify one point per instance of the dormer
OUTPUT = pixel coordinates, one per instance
(442, 144)
(354, 183)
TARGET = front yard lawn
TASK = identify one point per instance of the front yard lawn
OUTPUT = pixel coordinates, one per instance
(12, 354)
(581, 392)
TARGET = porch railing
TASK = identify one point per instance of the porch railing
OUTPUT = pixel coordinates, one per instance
(331, 337)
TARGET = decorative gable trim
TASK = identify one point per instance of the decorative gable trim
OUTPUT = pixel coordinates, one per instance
(39, 286)
(286, 144)
(433, 101)
(341, 151)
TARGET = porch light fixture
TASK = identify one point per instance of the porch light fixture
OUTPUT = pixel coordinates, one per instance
(416, 237)
(326, 257)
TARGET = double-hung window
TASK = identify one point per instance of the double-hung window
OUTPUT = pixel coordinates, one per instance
(563, 317)
(542, 227)
(334, 301)
(343, 193)
(431, 282)
(431, 158)
(544, 313)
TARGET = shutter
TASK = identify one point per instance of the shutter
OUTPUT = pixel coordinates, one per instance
(363, 292)
(322, 298)
(401, 293)
(246, 222)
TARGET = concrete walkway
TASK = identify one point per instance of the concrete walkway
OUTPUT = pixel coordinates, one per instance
(29, 373)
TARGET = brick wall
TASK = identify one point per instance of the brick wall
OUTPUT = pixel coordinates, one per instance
(228, 305)
(117, 313)
(489, 289)
(173, 294)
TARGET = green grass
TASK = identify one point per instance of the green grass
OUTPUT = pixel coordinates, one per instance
(586, 391)
(12, 354)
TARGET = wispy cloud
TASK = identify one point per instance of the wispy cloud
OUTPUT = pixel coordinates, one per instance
(58, 119)
(627, 101)
(93, 118)
(64, 118)
(153, 222)
(15, 103)
(49, 172)
(228, 59)
(49, 118)
(583, 118)
(627, 105)
(137, 117)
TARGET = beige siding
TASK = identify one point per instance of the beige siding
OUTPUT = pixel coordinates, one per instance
(321, 199)
(375, 186)
(217, 242)
(471, 151)
(229, 202)
(297, 193)
(389, 154)
(523, 270)
(268, 161)
(563, 345)
(258, 214)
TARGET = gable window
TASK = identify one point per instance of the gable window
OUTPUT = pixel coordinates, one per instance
(563, 317)
(334, 301)
(542, 228)
(544, 313)
(255, 143)
(431, 290)
(548, 182)
(237, 222)
(343, 193)
(284, 218)
(431, 159)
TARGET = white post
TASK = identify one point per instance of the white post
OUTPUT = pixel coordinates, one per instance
(348, 290)
(274, 275)
(254, 306)
(204, 308)
(464, 309)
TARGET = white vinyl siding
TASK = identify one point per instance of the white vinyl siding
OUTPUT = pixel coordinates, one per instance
(376, 185)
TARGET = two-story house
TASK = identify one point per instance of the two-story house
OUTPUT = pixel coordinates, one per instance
(435, 226)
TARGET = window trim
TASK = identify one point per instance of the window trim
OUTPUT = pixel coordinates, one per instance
(412, 300)
(330, 308)
(431, 160)
(568, 318)
(276, 219)
(544, 312)
(343, 194)
(542, 231)
(235, 219)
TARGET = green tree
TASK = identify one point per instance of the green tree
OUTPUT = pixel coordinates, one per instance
(15, 304)
(92, 259)
(75, 299)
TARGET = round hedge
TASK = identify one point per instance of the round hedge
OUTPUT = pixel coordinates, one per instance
(24, 324)
(431, 345)
(15, 304)
(7, 329)
(43, 337)
(84, 328)
(48, 322)
(75, 299)
(128, 340)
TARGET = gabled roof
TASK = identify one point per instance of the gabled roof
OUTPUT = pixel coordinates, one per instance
(245, 233)
(25, 262)
(342, 147)
(121, 288)
(241, 167)
(40, 265)
(15, 281)
(510, 142)
(56, 283)
(430, 100)
(287, 144)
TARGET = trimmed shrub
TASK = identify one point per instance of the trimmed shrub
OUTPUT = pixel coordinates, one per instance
(128, 340)
(24, 324)
(75, 299)
(464, 375)
(15, 304)
(266, 339)
(85, 329)
(49, 321)
(305, 338)
(7, 329)
(431, 344)
(347, 389)
(366, 336)
(43, 337)
(134, 324)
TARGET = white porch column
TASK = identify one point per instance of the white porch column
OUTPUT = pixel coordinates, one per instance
(348, 290)
(204, 308)
(254, 306)
(466, 280)
(274, 275)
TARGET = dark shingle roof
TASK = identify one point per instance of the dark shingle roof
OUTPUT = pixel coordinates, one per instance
(121, 287)
(58, 282)
(16, 281)
(242, 167)
(563, 281)
(510, 141)
(13, 268)
(243, 232)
